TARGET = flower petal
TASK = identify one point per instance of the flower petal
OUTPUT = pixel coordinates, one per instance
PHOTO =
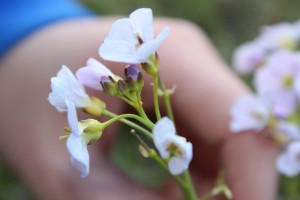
(121, 44)
(248, 113)
(150, 47)
(79, 154)
(248, 57)
(91, 74)
(64, 84)
(288, 163)
(290, 129)
(177, 165)
(72, 117)
(163, 128)
(142, 23)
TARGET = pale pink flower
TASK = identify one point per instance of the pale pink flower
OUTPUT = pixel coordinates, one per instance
(288, 163)
(281, 35)
(248, 113)
(248, 57)
(91, 74)
(275, 81)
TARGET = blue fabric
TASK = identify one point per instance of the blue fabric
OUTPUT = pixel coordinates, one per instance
(19, 18)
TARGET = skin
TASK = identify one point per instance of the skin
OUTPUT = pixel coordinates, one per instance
(30, 126)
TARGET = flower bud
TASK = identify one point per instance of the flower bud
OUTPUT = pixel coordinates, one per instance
(92, 130)
(96, 108)
(123, 87)
(109, 85)
(134, 78)
(152, 65)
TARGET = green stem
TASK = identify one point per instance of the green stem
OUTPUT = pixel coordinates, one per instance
(166, 98)
(185, 182)
(291, 187)
(189, 190)
(139, 108)
(162, 163)
(122, 119)
(155, 96)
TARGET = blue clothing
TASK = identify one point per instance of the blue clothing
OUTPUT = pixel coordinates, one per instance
(20, 18)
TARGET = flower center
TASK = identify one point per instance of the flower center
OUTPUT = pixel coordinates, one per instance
(174, 150)
(288, 81)
(288, 43)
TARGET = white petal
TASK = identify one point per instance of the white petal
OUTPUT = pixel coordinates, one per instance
(64, 84)
(290, 129)
(177, 165)
(297, 85)
(163, 128)
(142, 23)
(121, 43)
(285, 166)
(248, 57)
(91, 62)
(72, 118)
(79, 154)
(90, 75)
(288, 162)
(248, 113)
(121, 30)
(150, 47)
(120, 51)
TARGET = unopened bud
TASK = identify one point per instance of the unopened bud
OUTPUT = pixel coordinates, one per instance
(92, 130)
(152, 65)
(143, 151)
(109, 85)
(134, 78)
(96, 108)
(123, 87)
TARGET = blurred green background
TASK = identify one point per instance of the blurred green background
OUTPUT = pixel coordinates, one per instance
(227, 22)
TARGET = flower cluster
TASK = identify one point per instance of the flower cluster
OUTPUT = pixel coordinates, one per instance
(273, 60)
(131, 40)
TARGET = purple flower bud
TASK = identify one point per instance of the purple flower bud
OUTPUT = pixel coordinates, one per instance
(132, 71)
(104, 79)
(109, 85)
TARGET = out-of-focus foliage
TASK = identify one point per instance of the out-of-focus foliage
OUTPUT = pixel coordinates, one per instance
(10, 186)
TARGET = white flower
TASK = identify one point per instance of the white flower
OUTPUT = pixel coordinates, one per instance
(275, 81)
(91, 74)
(65, 84)
(281, 35)
(76, 145)
(248, 57)
(248, 113)
(288, 163)
(131, 39)
(172, 146)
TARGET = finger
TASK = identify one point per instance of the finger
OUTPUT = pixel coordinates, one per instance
(249, 162)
